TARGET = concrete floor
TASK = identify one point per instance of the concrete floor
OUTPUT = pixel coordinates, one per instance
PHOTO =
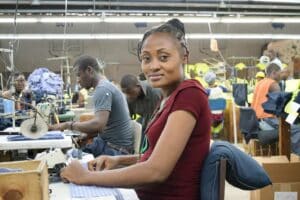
(233, 193)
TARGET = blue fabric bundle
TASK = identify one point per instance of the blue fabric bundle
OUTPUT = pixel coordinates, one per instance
(9, 170)
(276, 102)
(51, 135)
(42, 81)
(242, 171)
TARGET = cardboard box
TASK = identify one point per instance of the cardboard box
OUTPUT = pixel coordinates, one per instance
(31, 183)
(270, 159)
(285, 177)
(295, 158)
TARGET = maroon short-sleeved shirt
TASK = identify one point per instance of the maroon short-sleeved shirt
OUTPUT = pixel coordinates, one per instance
(183, 183)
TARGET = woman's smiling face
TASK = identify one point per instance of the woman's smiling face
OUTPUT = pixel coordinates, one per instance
(162, 60)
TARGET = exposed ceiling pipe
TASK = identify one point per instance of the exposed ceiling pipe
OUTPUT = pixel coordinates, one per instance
(274, 1)
(199, 1)
(179, 12)
(146, 12)
(243, 5)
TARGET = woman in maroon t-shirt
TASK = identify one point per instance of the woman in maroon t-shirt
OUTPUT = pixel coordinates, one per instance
(177, 137)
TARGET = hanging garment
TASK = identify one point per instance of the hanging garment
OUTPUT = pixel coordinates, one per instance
(276, 102)
(239, 92)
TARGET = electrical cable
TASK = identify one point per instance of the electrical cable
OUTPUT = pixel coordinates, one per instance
(219, 52)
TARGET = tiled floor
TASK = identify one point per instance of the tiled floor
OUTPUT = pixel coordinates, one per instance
(233, 193)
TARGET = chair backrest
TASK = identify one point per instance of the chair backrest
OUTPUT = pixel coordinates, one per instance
(239, 93)
(222, 171)
(249, 126)
(242, 171)
(217, 104)
(137, 127)
(213, 181)
(248, 120)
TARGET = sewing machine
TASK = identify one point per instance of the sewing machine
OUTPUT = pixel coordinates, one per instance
(33, 129)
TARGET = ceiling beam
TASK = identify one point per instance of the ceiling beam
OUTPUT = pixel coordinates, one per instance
(246, 5)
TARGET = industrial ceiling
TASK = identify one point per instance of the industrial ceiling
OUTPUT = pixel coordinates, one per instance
(30, 53)
(219, 7)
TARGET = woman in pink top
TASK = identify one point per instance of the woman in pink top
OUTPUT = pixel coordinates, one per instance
(177, 137)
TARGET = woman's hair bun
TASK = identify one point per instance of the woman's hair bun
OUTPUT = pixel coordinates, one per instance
(177, 23)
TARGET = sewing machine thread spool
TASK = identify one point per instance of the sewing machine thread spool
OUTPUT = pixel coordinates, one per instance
(34, 128)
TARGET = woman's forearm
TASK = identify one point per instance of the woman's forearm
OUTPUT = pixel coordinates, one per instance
(128, 159)
(129, 177)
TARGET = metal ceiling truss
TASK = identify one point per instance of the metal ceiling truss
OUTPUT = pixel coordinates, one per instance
(219, 7)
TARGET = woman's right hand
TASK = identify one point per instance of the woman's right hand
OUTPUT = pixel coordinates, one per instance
(103, 163)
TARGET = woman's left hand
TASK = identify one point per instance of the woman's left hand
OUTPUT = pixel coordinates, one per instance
(74, 172)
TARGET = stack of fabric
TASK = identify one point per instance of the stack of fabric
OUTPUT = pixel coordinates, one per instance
(44, 82)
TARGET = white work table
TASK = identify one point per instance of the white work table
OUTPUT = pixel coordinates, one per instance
(34, 144)
(61, 191)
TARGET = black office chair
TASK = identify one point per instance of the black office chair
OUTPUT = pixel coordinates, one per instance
(249, 126)
(222, 171)
(239, 93)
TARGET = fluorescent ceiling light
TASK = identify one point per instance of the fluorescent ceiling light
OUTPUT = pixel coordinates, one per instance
(134, 19)
(159, 19)
(200, 20)
(277, 1)
(19, 20)
(246, 20)
(70, 20)
(115, 36)
(243, 36)
(286, 20)
(69, 36)
(141, 19)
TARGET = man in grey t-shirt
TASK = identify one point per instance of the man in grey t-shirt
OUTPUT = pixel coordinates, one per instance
(111, 120)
